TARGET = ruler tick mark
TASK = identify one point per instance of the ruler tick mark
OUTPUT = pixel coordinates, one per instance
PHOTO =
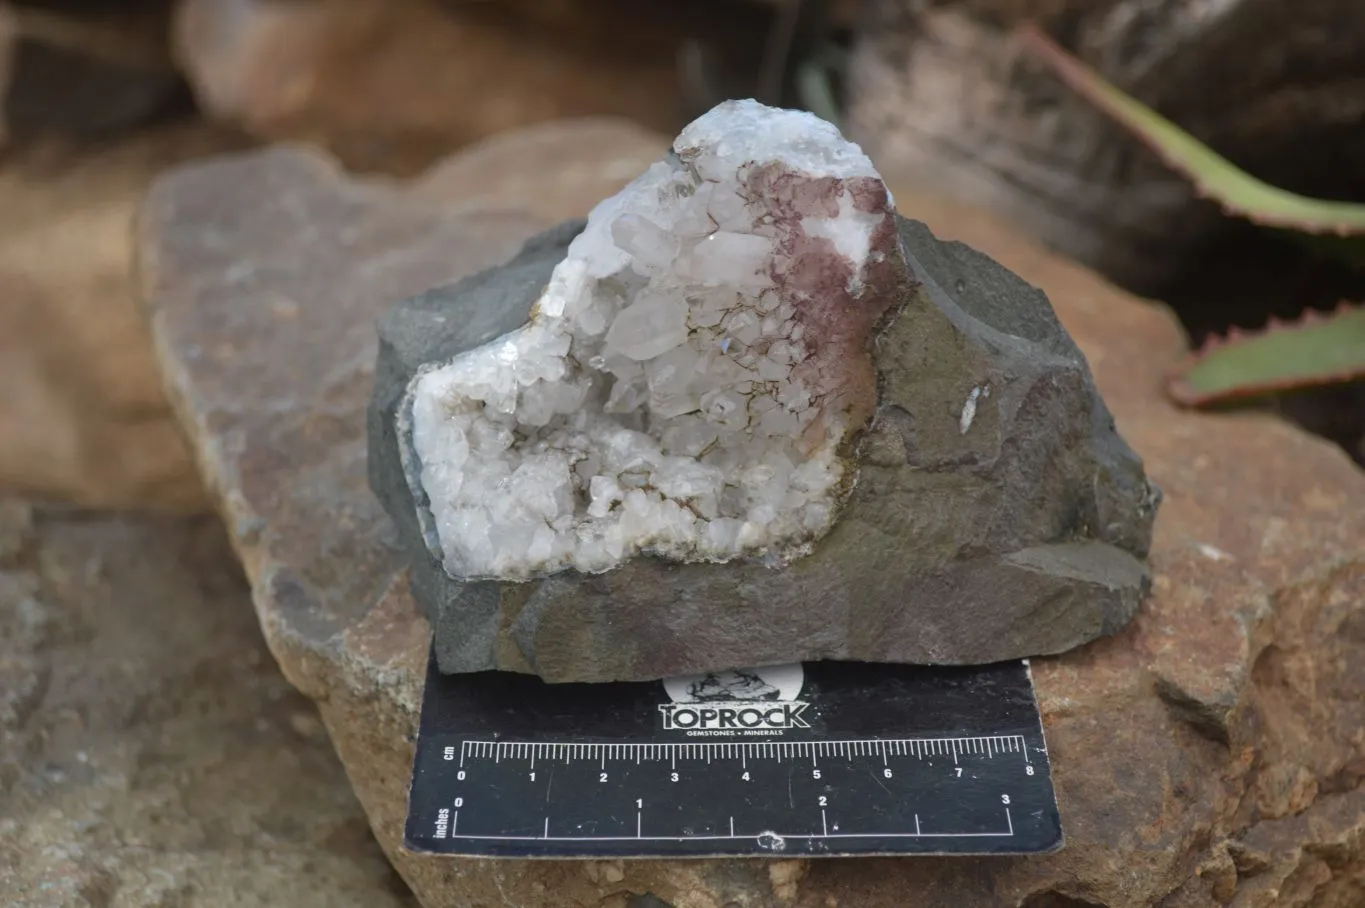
(854, 750)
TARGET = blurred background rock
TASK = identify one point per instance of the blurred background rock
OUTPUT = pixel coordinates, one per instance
(97, 97)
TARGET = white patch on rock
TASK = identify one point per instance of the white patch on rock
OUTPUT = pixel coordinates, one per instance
(654, 401)
(968, 416)
(964, 422)
(1212, 552)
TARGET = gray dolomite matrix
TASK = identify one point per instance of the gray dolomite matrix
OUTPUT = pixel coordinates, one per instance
(744, 415)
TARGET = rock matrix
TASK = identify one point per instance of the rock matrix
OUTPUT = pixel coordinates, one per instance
(743, 415)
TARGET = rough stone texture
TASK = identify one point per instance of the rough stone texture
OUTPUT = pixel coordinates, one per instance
(939, 94)
(1211, 753)
(150, 752)
(76, 367)
(947, 551)
(393, 84)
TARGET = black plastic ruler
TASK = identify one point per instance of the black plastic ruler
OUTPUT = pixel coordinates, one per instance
(816, 759)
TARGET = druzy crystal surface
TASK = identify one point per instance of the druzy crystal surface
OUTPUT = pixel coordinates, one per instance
(693, 379)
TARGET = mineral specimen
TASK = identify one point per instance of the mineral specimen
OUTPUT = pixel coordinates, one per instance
(735, 419)
(691, 380)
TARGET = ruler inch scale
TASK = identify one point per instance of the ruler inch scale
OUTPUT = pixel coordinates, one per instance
(822, 759)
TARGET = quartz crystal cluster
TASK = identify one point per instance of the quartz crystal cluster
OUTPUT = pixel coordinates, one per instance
(694, 377)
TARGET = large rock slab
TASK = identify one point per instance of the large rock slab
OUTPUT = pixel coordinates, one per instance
(507, 169)
(1211, 753)
(151, 754)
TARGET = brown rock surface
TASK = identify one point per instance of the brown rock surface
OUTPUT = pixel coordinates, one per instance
(83, 417)
(150, 752)
(508, 170)
(393, 84)
(1211, 754)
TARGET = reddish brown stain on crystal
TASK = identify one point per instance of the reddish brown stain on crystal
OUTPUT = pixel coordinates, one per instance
(839, 316)
(869, 194)
(789, 195)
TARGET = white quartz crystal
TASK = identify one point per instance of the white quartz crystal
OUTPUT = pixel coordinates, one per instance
(655, 401)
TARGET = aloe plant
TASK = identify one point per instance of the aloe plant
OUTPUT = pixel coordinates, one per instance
(1314, 350)
(1319, 349)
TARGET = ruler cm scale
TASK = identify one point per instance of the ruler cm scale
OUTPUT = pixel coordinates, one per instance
(883, 747)
(818, 760)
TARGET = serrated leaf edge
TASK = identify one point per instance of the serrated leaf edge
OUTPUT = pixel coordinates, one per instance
(1185, 394)
(1295, 212)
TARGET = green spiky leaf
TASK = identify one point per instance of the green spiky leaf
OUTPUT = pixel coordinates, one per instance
(1319, 349)
(1214, 176)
